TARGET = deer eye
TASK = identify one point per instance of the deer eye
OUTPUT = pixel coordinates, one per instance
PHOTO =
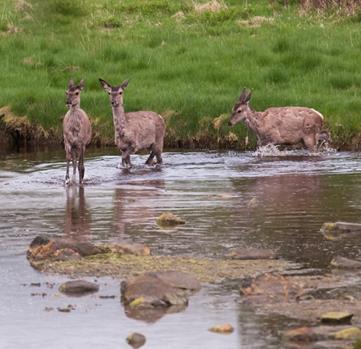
(121, 92)
(77, 93)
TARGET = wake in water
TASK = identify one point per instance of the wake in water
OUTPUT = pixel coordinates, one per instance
(271, 150)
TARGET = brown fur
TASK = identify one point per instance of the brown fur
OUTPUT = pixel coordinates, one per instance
(283, 125)
(76, 130)
(137, 130)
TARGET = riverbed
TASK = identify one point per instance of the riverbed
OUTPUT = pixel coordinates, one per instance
(228, 199)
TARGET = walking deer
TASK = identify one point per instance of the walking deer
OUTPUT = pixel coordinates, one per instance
(282, 125)
(136, 130)
(76, 130)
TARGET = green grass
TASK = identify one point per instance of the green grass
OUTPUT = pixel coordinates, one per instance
(190, 66)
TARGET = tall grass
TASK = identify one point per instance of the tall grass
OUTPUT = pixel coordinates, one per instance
(186, 65)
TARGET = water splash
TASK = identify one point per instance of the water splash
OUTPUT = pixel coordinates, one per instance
(272, 150)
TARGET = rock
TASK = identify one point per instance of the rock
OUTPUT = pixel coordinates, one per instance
(179, 280)
(345, 263)
(35, 284)
(168, 219)
(136, 340)
(336, 317)
(224, 329)
(157, 290)
(66, 309)
(339, 230)
(301, 334)
(270, 287)
(78, 287)
(42, 248)
(347, 333)
(107, 297)
(248, 253)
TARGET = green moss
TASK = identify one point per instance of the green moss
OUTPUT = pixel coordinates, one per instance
(206, 270)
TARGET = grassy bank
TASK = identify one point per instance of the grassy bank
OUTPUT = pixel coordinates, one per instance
(184, 60)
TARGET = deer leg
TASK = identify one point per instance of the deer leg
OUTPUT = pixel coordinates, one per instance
(158, 154)
(126, 158)
(310, 142)
(68, 158)
(81, 168)
(129, 163)
(150, 158)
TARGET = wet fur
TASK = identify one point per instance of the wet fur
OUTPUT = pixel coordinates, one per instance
(283, 125)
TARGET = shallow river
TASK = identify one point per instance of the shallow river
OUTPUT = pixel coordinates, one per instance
(291, 196)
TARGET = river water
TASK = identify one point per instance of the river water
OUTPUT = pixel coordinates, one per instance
(228, 199)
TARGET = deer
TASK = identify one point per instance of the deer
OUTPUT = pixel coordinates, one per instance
(281, 125)
(134, 131)
(77, 132)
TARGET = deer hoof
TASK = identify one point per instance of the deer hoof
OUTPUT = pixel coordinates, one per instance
(67, 181)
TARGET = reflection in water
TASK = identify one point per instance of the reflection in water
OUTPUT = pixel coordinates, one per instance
(77, 215)
(134, 204)
(151, 314)
(211, 191)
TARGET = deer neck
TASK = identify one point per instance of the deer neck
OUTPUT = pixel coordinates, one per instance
(119, 118)
(74, 108)
(254, 120)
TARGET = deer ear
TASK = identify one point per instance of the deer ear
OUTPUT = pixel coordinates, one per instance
(105, 85)
(245, 96)
(248, 96)
(81, 84)
(124, 84)
(70, 83)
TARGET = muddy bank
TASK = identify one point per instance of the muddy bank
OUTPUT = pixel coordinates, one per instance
(18, 132)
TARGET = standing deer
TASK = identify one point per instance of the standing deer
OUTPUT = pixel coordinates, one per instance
(282, 125)
(137, 130)
(76, 130)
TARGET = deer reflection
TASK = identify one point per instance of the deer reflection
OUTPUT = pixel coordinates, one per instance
(77, 215)
(135, 205)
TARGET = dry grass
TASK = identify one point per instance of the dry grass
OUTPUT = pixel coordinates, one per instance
(211, 6)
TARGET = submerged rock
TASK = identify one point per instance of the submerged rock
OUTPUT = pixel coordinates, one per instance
(302, 335)
(136, 340)
(223, 329)
(270, 287)
(169, 219)
(336, 317)
(78, 287)
(340, 230)
(248, 253)
(345, 263)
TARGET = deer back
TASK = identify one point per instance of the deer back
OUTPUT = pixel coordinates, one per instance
(289, 124)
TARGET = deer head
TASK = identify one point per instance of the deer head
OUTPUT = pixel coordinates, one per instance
(115, 92)
(241, 109)
(73, 93)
